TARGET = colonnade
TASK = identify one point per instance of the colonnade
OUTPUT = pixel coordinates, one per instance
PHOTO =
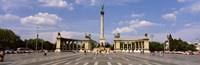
(139, 45)
(68, 44)
(129, 46)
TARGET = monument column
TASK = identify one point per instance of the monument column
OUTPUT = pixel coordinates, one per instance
(102, 39)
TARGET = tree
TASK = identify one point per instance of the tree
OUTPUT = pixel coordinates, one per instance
(94, 44)
(42, 44)
(156, 46)
(8, 39)
(179, 45)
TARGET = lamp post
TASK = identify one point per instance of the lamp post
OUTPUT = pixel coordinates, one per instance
(152, 37)
(42, 45)
(37, 39)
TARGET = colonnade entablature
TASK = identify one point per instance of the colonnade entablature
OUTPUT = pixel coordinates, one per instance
(69, 44)
(138, 45)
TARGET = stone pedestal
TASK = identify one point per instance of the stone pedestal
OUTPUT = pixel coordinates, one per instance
(118, 50)
(87, 44)
(81, 51)
(57, 50)
(137, 51)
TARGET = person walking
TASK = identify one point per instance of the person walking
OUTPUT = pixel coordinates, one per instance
(45, 52)
(2, 54)
(85, 52)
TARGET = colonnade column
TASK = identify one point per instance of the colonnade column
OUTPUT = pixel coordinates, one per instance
(131, 46)
(127, 46)
(139, 46)
(142, 46)
(77, 46)
(73, 45)
(135, 46)
(123, 46)
(81, 46)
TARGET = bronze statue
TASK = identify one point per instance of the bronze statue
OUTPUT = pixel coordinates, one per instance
(117, 35)
(87, 35)
(102, 10)
(58, 33)
(102, 7)
(146, 34)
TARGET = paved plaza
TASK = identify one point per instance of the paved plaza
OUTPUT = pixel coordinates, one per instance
(67, 58)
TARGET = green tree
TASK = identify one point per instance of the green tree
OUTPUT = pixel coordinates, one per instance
(180, 45)
(156, 46)
(8, 39)
(93, 44)
(42, 44)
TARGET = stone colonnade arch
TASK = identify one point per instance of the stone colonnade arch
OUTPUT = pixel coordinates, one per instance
(68, 44)
(139, 45)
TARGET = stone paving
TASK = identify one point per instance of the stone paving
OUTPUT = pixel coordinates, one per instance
(67, 58)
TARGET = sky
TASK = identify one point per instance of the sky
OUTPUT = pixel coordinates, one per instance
(131, 18)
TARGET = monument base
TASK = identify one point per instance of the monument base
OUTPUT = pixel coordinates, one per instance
(57, 50)
(117, 51)
(137, 51)
(146, 51)
(101, 50)
(81, 50)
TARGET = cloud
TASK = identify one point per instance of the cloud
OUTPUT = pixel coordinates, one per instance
(134, 15)
(123, 30)
(14, 4)
(181, 1)
(141, 23)
(56, 3)
(170, 16)
(78, 1)
(41, 19)
(133, 25)
(86, 2)
(192, 24)
(195, 8)
(8, 18)
(187, 25)
(93, 2)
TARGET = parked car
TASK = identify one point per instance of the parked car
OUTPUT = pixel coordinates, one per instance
(9, 51)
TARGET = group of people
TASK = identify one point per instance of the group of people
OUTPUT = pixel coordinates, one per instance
(160, 53)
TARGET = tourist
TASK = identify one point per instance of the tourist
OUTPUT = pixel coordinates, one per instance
(85, 52)
(45, 52)
(160, 53)
(2, 54)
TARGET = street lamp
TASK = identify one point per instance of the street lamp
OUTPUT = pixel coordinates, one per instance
(42, 45)
(152, 37)
(37, 39)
